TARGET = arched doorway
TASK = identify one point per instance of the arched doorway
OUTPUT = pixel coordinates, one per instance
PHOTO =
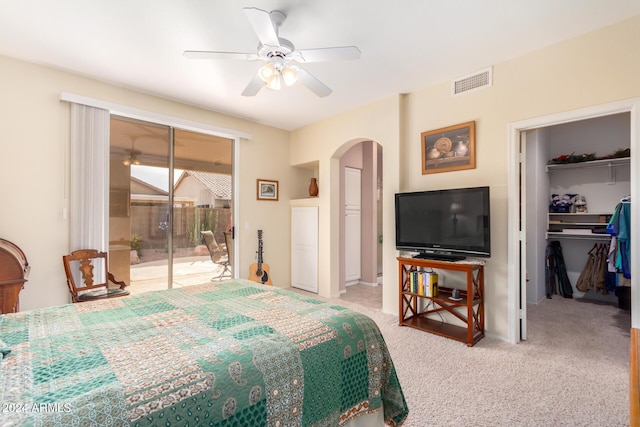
(359, 205)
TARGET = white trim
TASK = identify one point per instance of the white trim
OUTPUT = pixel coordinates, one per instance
(514, 129)
(523, 233)
(134, 113)
(235, 197)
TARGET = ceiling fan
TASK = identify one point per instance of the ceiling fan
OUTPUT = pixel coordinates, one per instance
(280, 56)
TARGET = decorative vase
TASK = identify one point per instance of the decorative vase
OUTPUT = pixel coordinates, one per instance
(462, 149)
(313, 187)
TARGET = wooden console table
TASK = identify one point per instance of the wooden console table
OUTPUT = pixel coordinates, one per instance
(469, 309)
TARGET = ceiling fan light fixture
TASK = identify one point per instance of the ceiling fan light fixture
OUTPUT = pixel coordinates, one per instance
(267, 72)
(277, 53)
(276, 81)
(289, 75)
(132, 159)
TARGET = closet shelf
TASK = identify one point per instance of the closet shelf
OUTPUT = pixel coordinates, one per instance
(577, 214)
(582, 236)
(580, 225)
(622, 161)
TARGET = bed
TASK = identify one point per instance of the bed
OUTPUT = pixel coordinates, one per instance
(221, 353)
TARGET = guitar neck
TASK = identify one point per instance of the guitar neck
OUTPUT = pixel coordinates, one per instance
(259, 249)
(259, 254)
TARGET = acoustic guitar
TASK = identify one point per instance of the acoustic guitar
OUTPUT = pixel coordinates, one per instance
(259, 272)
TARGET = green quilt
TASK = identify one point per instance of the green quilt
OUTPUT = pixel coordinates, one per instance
(231, 353)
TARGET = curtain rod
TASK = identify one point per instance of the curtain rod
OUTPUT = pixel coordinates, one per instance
(134, 113)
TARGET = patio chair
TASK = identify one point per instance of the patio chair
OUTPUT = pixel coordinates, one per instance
(85, 261)
(218, 253)
(228, 241)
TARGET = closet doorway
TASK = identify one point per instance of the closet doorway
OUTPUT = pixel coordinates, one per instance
(524, 154)
(167, 186)
(586, 193)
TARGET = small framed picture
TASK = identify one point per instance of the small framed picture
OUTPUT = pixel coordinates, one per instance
(267, 189)
(449, 149)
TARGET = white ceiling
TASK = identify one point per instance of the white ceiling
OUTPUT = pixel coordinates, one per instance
(406, 45)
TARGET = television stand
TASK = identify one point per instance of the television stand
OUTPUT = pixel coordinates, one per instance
(430, 317)
(439, 257)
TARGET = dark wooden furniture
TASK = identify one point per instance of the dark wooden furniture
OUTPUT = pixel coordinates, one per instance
(469, 309)
(86, 261)
(14, 271)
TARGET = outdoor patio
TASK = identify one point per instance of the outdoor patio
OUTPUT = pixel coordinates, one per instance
(152, 275)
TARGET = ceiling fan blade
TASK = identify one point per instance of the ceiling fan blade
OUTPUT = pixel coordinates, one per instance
(254, 86)
(206, 54)
(326, 54)
(312, 83)
(261, 23)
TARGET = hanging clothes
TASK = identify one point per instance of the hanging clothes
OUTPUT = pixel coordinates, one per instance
(620, 227)
(624, 240)
(600, 268)
(594, 274)
(584, 283)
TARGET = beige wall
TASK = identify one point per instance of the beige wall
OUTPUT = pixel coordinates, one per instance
(596, 68)
(325, 142)
(34, 165)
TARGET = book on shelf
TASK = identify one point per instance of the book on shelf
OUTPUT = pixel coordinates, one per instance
(423, 283)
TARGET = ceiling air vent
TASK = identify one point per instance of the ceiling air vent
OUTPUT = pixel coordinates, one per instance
(474, 81)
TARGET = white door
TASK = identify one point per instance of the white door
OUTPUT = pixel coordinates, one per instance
(304, 248)
(352, 225)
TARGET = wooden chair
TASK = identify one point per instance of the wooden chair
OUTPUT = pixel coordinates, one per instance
(88, 260)
(219, 254)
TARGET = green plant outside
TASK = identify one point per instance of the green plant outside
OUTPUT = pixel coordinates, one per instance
(136, 244)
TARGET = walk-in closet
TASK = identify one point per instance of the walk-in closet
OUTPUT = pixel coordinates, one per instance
(576, 175)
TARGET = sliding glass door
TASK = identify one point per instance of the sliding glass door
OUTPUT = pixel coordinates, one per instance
(202, 208)
(168, 186)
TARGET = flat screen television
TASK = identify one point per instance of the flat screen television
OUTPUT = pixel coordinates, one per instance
(444, 224)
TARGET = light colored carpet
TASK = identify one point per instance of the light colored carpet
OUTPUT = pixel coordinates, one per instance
(572, 371)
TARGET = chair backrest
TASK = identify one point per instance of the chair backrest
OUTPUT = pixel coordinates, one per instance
(215, 251)
(83, 268)
(228, 241)
(210, 240)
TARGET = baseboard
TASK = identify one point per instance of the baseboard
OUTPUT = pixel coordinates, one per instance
(360, 282)
(495, 337)
(372, 284)
(634, 378)
(391, 313)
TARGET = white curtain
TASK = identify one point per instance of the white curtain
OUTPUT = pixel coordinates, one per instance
(89, 178)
